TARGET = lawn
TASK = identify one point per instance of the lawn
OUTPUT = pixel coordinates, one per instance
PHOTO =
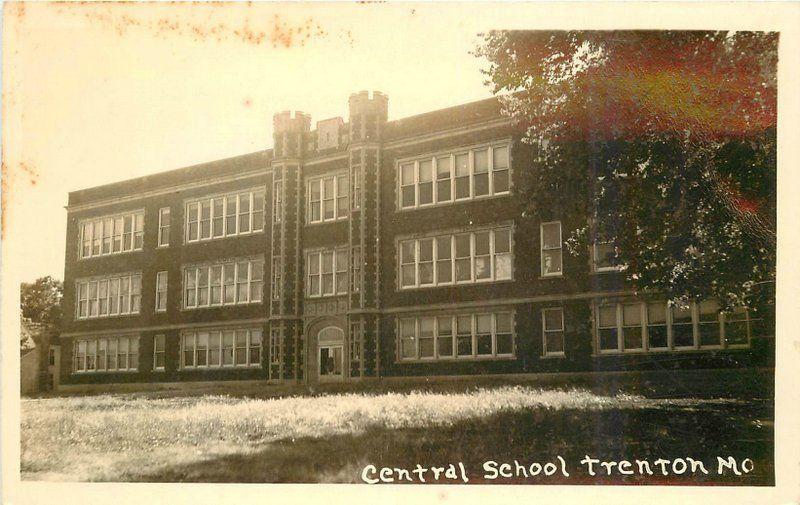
(332, 437)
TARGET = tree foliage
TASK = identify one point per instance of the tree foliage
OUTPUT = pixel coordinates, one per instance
(40, 300)
(666, 140)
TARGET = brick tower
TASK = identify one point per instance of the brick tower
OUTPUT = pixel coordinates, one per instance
(368, 116)
(291, 135)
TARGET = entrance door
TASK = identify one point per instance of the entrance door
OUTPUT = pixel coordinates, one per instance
(330, 363)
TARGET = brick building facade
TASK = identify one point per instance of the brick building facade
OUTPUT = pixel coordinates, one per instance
(364, 248)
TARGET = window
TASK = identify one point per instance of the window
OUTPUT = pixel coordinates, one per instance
(662, 326)
(737, 328)
(356, 269)
(277, 278)
(356, 190)
(228, 215)
(240, 347)
(553, 331)
(657, 325)
(550, 236)
(604, 257)
(163, 227)
(682, 326)
(607, 328)
(327, 272)
(479, 256)
(235, 282)
(328, 198)
(277, 201)
(254, 346)
(632, 331)
(449, 177)
(161, 291)
(106, 354)
(484, 335)
(109, 296)
(356, 330)
(708, 324)
(274, 346)
(112, 234)
(158, 352)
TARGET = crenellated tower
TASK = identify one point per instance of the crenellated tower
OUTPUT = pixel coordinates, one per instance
(367, 121)
(291, 136)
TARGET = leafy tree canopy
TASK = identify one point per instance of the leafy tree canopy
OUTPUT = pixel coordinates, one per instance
(40, 300)
(665, 139)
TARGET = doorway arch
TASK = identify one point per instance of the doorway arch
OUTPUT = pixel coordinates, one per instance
(326, 360)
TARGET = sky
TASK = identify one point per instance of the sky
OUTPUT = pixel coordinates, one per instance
(98, 93)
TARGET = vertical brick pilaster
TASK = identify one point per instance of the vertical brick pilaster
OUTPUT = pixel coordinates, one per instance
(290, 138)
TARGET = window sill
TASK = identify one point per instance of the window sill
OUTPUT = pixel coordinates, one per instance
(222, 306)
(554, 276)
(104, 372)
(325, 297)
(328, 221)
(452, 202)
(683, 350)
(214, 239)
(455, 285)
(554, 355)
(121, 253)
(217, 368)
(100, 318)
(608, 271)
(468, 359)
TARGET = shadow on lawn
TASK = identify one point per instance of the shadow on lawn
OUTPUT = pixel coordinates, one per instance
(703, 432)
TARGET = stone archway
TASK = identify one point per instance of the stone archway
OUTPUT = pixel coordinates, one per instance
(326, 358)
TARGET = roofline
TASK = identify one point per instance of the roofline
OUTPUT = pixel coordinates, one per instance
(395, 142)
(265, 152)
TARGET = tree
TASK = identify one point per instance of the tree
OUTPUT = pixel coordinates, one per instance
(40, 301)
(665, 140)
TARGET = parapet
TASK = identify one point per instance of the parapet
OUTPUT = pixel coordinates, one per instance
(365, 103)
(285, 122)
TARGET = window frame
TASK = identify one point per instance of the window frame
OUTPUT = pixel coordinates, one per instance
(116, 300)
(452, 236)
(224, 286)
(453, 336)
(451, 154)
(338, 214)
(226, 197)
(116, 218)
(645, 324)
(162, 212)
(106, 340)
(276, 279)
(216, 341)
(156, 352)
(335, 272)
(162, 294)
(277, 201)
(560, 248)
(545, 331)
(614, 268)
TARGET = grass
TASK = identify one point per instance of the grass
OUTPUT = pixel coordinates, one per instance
(213, 438)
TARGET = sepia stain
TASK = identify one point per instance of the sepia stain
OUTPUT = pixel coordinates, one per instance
(33, 174)
(253, 30)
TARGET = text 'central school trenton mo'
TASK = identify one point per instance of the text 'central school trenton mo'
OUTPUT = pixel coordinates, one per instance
(365, 248)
